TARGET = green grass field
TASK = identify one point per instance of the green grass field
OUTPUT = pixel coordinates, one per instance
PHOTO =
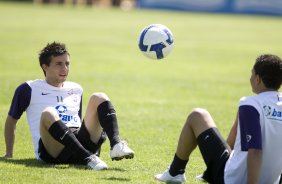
(209, 67)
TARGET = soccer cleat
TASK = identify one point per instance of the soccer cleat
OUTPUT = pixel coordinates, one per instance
(201, 178)
(95, 163)
(120, 151)
(166, 177)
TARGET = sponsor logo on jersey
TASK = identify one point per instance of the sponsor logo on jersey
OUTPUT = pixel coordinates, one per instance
(61, 109)
(43, 94)
(276, 113)
(73, 91)
(272, 113)
(62, 114)
(248, 138)
(266, 110)
(67, 118)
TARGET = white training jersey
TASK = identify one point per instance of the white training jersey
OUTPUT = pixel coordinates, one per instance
(34, 96)
(266, 135)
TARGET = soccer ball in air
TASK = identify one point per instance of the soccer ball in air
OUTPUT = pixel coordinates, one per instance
(156, 41)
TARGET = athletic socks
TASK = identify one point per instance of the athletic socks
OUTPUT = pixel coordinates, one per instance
(108, 121)
(65, 136)
(177, 166)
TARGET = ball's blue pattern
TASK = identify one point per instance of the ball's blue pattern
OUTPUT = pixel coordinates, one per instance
(158, 48)
(143, 47)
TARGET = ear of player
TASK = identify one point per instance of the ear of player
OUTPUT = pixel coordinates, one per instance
(156, 41)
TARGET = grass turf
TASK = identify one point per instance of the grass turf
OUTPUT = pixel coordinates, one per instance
(209, 67)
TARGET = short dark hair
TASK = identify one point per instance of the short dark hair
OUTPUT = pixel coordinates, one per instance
(269, 68)
(51, 49)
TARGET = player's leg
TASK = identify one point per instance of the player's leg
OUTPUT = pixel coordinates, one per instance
(48, 117)
(198, 122)
(56, 137)
(101, 116)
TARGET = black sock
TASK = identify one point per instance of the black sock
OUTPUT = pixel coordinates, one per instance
(177, 166)
(65, 136)
(108, 121)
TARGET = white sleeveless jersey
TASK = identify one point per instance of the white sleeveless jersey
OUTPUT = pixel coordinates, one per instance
(66, 100)
(269, 107)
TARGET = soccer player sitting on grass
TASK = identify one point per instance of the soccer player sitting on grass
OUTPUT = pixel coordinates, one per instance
(253, 151)
(53, 108)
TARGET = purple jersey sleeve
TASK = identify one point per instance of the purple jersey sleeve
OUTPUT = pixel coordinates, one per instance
(20, 101)
(250, 128)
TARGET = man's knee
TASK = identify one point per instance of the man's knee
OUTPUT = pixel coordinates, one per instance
(200, 120)
(98, 98)
(199, 113)
(48, 116)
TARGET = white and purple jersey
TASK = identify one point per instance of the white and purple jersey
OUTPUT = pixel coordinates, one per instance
(259, 127)
(34, 96)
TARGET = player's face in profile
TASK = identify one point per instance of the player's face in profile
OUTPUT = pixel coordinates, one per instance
(57, 71)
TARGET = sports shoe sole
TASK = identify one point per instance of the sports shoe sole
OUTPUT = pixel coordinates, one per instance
(169, 182)
(100, 169)
(130, 156)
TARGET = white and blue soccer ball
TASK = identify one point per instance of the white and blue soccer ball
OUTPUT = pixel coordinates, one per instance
(156, 41)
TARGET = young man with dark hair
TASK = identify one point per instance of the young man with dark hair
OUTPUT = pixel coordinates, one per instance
(252, 152)
(54, 110)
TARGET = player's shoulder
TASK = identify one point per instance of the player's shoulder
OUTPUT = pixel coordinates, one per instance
(261, 97)
(36, 82)
(28, 86)
(259, 100)
(23, 87)
(69, 84)
(73, 87)
(39, 84)
(249, 100)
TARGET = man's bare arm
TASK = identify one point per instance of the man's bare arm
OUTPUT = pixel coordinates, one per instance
(232, 134)
(254, 165)
(10, 129)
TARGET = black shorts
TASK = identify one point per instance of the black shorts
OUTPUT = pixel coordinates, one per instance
(67, 156)
(215, 152)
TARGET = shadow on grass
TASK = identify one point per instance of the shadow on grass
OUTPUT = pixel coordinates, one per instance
(28, 162)
(32, 162)
(116, 169)
(116, 179)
